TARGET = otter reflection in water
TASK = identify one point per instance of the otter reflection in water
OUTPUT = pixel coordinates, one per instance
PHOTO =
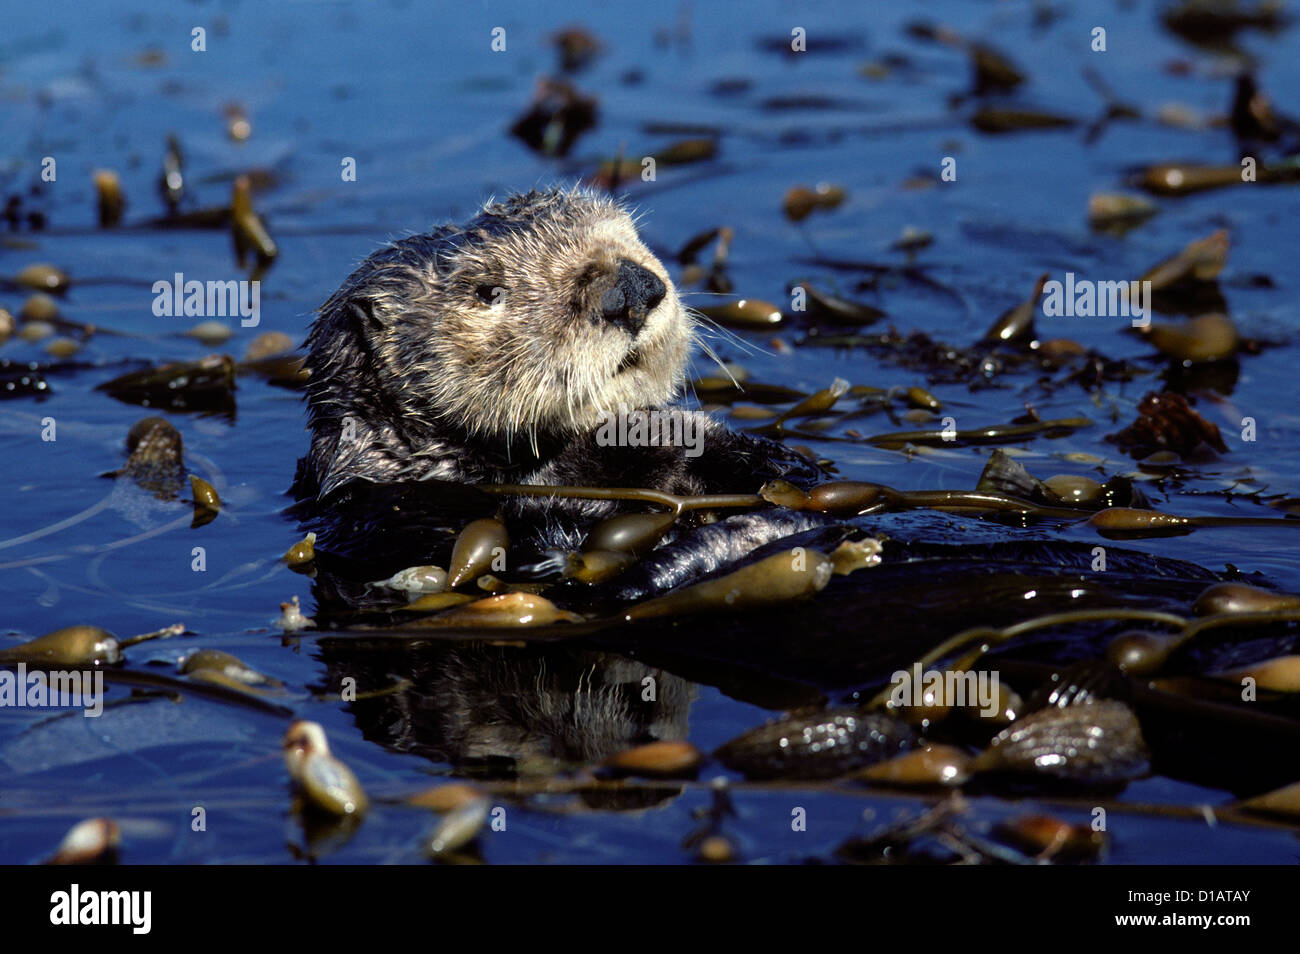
(498, 709)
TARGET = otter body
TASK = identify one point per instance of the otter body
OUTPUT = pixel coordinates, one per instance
(492, 352)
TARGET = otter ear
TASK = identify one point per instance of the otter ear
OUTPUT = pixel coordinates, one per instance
(366, 312)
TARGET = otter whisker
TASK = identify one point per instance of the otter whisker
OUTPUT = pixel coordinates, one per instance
(713, 356)
(727, 335)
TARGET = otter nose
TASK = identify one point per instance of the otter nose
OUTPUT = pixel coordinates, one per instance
(634, 294)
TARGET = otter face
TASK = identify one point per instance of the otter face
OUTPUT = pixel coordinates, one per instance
(540, 315)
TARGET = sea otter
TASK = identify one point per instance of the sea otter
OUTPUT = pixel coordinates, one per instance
(492, 352)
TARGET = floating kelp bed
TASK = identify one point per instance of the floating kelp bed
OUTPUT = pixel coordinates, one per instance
(1036, 604)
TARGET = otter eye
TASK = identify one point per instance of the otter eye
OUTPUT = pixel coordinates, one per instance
(589, 275)
(490, 294)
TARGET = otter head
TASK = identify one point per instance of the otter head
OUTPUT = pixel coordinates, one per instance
(537, 317)
(557, 312)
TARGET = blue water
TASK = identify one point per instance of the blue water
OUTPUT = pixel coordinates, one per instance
(415, 94)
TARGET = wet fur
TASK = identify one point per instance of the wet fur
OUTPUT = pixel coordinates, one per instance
(415, 376)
